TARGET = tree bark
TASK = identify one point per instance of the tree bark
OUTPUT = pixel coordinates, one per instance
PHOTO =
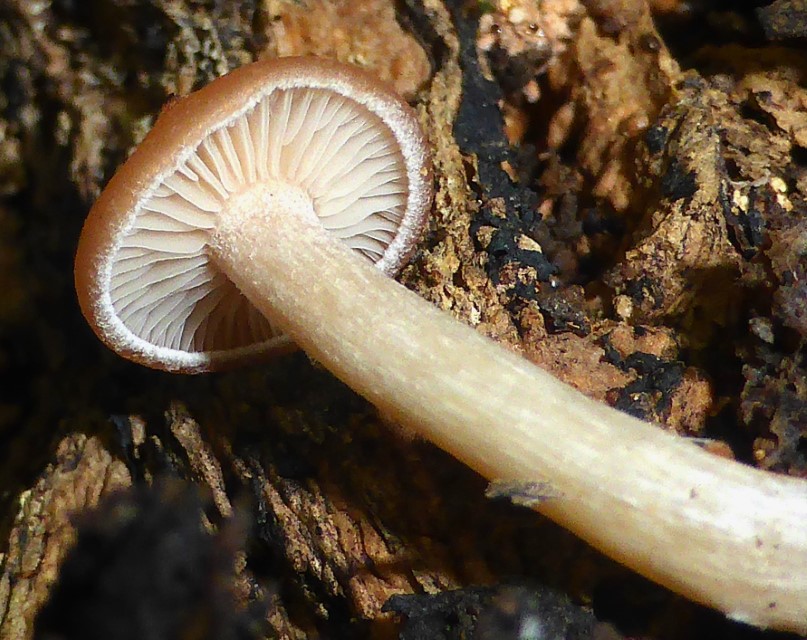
(635, 229)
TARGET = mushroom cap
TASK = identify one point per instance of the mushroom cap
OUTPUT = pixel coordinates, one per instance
(144, 275)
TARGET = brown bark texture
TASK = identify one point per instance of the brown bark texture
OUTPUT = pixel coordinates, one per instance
(620, 197)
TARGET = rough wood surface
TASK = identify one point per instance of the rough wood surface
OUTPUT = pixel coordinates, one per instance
(620, 200)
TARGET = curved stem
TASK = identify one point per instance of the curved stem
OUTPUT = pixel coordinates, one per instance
(716, 531)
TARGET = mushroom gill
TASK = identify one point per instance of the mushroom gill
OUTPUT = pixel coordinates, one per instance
(163, 285)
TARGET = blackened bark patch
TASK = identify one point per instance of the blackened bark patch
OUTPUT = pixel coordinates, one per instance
(677, 183)
(650, 395)
(479, 132)
(504, 250)
(656, 138)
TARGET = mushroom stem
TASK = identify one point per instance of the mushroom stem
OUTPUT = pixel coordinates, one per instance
(716, 531)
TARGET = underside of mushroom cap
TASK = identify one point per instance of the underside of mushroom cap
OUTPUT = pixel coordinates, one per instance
(350, 146)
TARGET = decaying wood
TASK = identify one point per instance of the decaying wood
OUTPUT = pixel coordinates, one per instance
(81, 472)
(636, 229)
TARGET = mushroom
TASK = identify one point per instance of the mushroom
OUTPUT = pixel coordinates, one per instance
(254, 244)
(304, 135)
